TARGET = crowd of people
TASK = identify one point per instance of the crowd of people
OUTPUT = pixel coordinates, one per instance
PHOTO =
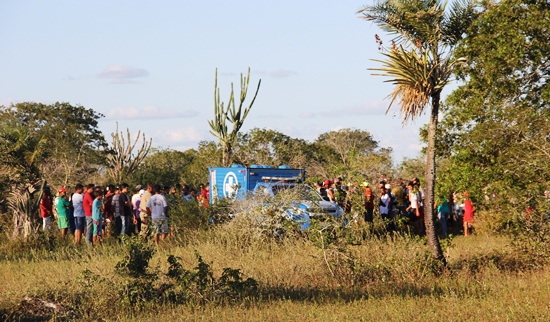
(91, 212)
(405, 200)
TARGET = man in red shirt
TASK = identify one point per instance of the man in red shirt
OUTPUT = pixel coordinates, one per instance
(87, 202)
(46, 208)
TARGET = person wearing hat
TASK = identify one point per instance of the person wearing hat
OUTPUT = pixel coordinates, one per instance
(328, 188)
(62, 205)
(368, 201)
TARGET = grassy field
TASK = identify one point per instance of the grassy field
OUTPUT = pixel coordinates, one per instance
(354, 276)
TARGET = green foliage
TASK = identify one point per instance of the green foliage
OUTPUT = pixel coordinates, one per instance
(496, 125)
(164, 166)
(172, 167)
(188, 217)
(178, 285)
(24, 204)
(136, 260)
(349, 153)
(270, 147)
(74, 144)
(27, 248)
(420, 65)
(531, 231)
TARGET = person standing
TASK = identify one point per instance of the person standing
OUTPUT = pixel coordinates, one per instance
(97, 218)
(443, 211)
(469, 210)
(368, 202)
(125, 210)
(62, 205)
(79, 215)
(117, 210)
(186, 193)
(46, 208)
(144, 212)
(414, 209)
(399, 192)
(87, 202)
(108, 209)
(385, 207)
(158, 209)
(136, 200)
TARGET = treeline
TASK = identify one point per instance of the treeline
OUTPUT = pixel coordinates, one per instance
(60, 144)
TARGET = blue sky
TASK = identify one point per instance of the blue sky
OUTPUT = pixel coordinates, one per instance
(150, 66)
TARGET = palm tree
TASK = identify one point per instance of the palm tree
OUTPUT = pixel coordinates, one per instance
(420, 63)
(21, 152)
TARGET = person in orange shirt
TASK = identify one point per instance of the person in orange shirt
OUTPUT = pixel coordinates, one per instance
(369, 201)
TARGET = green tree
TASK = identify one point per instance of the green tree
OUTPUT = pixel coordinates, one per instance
(73, 145)
(163, 166)
(230, 113)
(207, 155)
(497, 124)
(270, 147)
(21, 153)
(350, 153)
(420, 64)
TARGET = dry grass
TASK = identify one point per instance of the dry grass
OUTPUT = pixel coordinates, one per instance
(380, 278)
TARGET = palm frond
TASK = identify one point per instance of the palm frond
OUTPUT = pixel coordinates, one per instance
(411, 21)
(411, 74)
(457, 20)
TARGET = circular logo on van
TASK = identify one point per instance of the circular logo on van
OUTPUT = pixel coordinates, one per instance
(230, 185)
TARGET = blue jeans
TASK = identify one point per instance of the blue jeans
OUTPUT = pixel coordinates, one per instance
(79, 223)
(125, 228)
(443, 220)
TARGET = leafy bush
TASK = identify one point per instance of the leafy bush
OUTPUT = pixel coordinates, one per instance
(139, 284)
(199, 286)
(136, 261)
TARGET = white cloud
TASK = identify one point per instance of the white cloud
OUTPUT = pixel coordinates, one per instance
(188, 134)
(148, 113)
(119, 74)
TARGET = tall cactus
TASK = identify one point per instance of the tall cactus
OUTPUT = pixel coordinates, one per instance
(121, 158)
(231, 113)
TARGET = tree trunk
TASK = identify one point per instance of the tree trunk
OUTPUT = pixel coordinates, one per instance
(433, 241)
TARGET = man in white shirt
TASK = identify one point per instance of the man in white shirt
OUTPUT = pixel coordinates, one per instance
(79, 214)
(158, 208)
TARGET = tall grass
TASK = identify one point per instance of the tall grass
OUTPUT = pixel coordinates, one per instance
(331, 272)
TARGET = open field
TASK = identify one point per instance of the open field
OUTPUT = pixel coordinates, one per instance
(378, 278)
